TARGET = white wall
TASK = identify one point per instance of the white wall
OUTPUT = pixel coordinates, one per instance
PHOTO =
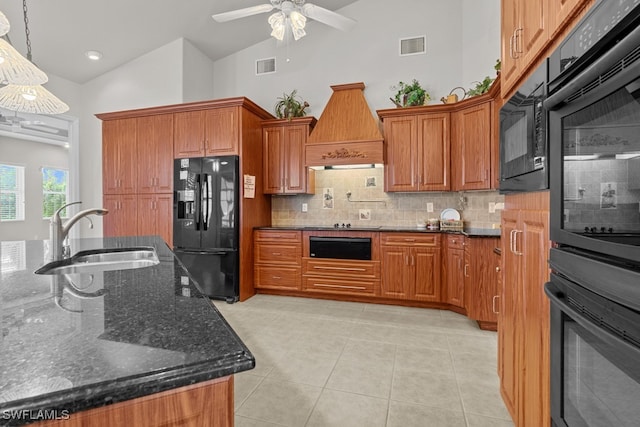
(480, 40)
(369, 53)
(197, 74)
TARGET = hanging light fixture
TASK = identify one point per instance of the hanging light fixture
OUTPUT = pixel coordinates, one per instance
(289, 18)
(24, 91)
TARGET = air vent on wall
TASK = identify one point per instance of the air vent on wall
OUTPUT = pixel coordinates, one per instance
(265, 66)
(413, 46)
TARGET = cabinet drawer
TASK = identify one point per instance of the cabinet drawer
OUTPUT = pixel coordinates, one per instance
(281, 236)
(455, 241)
(410, 239)
(341, 268)
(278, 253)
(277, 277)
(341, 286)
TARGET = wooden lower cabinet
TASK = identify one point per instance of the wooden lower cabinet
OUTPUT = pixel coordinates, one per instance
(122, 217)
(523, 321)
(481, 277)
(278, 259)
(410, 266)
(208, 404)
(454, 270)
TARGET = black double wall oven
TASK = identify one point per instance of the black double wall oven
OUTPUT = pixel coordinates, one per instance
(594, 138)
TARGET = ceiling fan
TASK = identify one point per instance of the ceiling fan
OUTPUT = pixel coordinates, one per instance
(291, 15)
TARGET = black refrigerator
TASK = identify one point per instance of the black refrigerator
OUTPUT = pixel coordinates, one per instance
(205, 222)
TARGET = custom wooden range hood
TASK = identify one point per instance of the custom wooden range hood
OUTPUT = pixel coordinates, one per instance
(347, 132)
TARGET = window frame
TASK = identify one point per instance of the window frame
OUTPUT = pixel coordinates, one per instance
(19, 192)
(45, 192)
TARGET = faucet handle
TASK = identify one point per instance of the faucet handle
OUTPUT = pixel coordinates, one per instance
(57, 213)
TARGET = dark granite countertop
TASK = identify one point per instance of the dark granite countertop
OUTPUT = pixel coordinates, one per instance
(127, 334)
(471, 232)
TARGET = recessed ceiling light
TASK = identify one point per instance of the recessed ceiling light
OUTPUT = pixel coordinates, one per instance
(93, 55)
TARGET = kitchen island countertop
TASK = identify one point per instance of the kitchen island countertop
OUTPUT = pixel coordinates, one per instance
(126, 334)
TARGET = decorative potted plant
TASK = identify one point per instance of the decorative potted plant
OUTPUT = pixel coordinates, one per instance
(480, 87)
(409, 95)
(288, 106)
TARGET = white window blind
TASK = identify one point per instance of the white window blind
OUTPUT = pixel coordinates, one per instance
(55, 191)
(11, 193)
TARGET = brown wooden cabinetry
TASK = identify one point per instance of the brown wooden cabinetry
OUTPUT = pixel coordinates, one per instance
(154, 139)
(481, 280)
(472, 134)
(410, 265)
(122, 217)
(155, 215)
(207, 404)
(417, 147)
(278, 259)
(523, 321)
(119, 156)
(206, 132)
(283, 144)
(453, 270)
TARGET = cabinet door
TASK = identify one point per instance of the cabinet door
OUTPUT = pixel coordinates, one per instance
(400, 138)
(122, 217)
(559, 12)
(155, 216)
(427, 264)
(397, 274)
(272, 144)
(155, 151)
(454, 267)
(509, 23)
(533, 243)
(509, 322)
(480, 278)
(119, 159)
(188, 134)
(471, 148)
(222, 132)
(533, 32)
(295, 172)
(433, 152)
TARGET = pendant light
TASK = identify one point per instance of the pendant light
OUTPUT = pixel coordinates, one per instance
(24, 91)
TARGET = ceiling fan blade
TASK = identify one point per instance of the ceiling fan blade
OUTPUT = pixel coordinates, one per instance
(242, 13)
(328, 17)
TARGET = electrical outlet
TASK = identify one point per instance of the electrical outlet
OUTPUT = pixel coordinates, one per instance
(429, 207)
(492, 207)
(499, 206)
(305, 207)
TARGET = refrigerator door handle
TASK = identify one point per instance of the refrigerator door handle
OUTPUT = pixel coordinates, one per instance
(198, 201)
(206, 198)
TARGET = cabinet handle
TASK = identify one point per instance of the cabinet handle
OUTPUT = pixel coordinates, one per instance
(413, 260)
(276, 253)
(493, 304)
(511, 241)
(515, 242)
(516, 33)
(326, 285)
(466, 274)
(319, 267)
(276, 277)
(511, 54)
(406, 260)
(409, 240)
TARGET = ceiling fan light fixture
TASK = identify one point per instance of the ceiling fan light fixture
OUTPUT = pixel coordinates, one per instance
(277, 21)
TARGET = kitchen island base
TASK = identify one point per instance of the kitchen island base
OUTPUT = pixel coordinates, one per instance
(206, 404)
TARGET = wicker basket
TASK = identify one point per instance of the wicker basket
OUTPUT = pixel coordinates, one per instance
(451, 224)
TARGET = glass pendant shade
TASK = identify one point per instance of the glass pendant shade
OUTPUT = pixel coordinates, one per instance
(16, 69)
(277, 25)
(31, 99)
(4, 25)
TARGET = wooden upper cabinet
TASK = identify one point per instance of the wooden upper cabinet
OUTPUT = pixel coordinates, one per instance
(119, 157)
(471, 148)
(418, 155)
(563, 11)
(525, 33)
(155, 149)
(210, 132)
(222, 131)
(284, 156)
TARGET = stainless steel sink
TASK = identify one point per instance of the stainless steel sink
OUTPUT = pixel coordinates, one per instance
(98, 260)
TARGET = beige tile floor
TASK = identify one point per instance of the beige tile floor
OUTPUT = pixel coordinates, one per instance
(342, 364)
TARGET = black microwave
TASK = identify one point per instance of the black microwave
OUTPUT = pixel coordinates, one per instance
(523, 136)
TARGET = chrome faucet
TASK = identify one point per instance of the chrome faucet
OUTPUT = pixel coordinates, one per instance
(58, 231)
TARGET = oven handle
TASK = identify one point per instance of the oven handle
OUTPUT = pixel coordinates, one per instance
(606, 61)
(555, 297)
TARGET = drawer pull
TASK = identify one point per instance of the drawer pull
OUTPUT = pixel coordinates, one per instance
(326, 285)
(276, 277)
(409, 240)
(493, 304)
(276, 253)
(319, 267)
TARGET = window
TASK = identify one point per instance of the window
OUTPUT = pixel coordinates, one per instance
(11, 193)
(54, 191)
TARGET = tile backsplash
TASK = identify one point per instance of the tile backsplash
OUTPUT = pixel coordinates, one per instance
(368, 204)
